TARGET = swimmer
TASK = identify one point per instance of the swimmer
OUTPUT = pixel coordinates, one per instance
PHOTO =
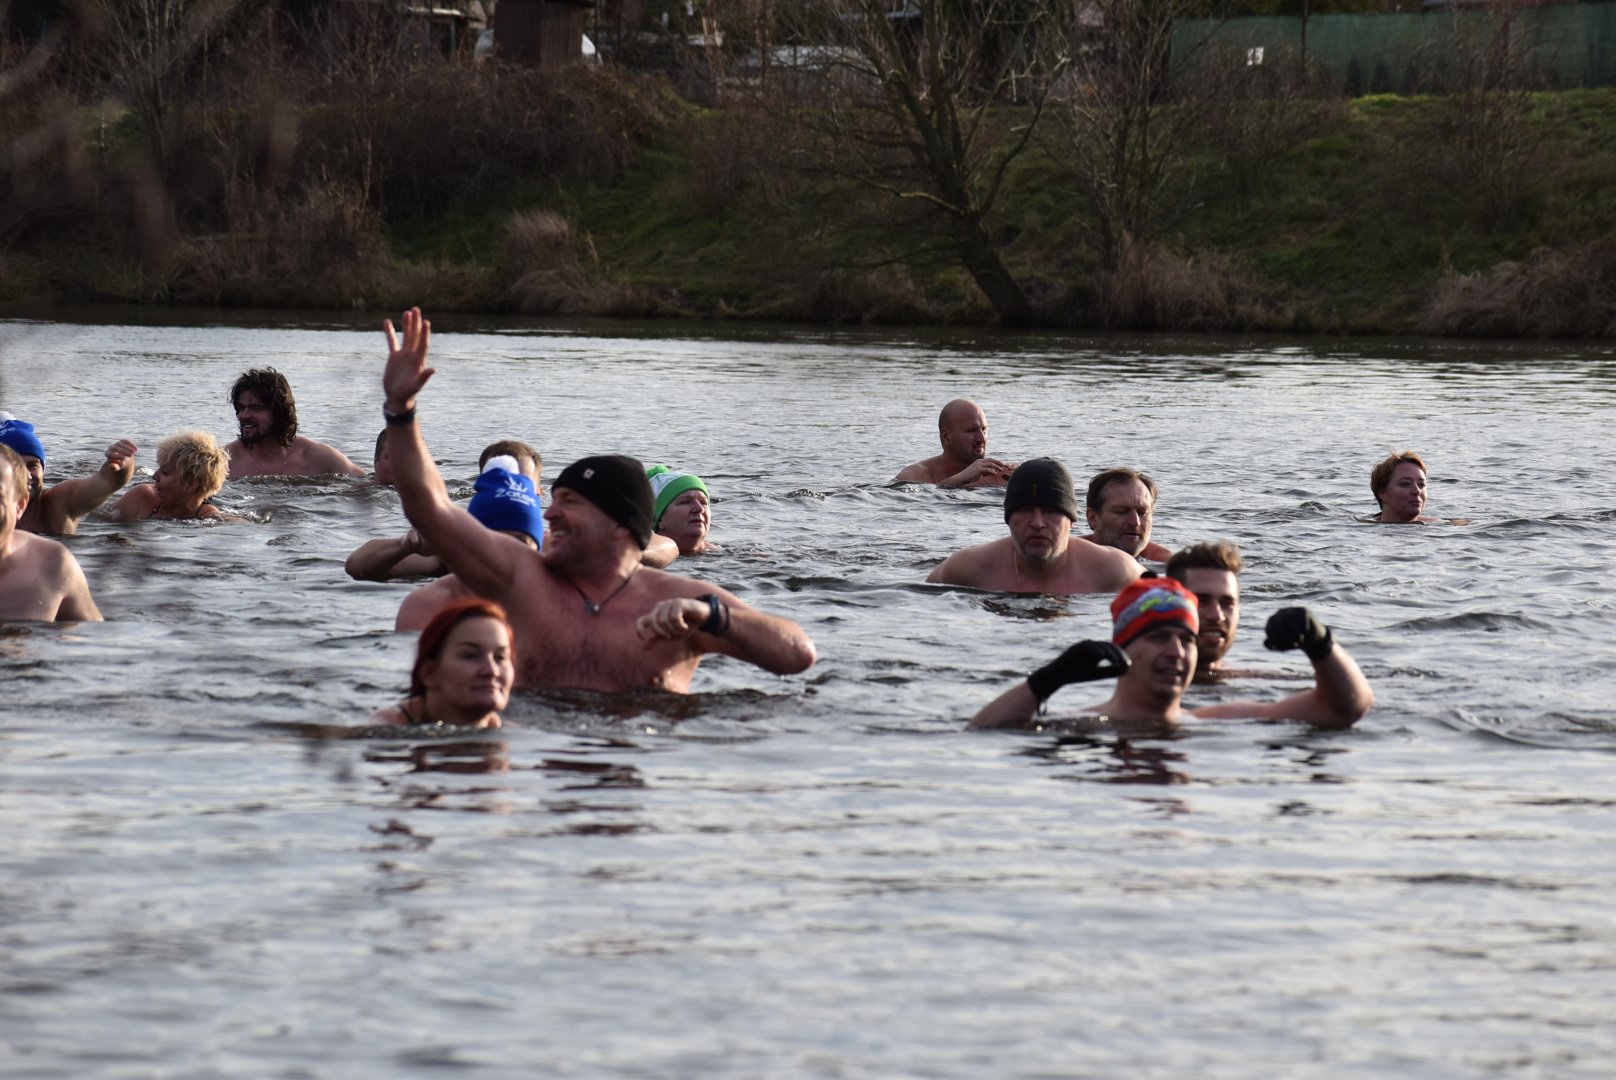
(683, 513)
(528, 461)
(962, 428)
(381, 471)
(505, 503)
(269, 445)
(40, 580)
(56, 510)
(1398, 484)
(1039, 555)
(1212, 573)
(586, 612)
(1152, 654)
(464, 668)
(1120, 504)
(191, 468)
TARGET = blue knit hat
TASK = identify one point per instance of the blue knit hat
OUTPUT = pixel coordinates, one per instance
(19, 435)
(506, 501)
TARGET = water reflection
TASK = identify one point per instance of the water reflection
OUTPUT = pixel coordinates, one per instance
(1098, 759)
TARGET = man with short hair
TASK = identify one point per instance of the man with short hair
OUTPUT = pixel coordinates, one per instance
(1212, 572)
(1039, 555)
(40, 580)
(381, 466)
(1119, 507)
(57, 510)
(528, 461)
(585, 612)
(269, 445)
(1152, 654)
(962, 428)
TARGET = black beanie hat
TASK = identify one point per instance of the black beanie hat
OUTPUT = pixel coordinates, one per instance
(1040, 482)
(616, 484)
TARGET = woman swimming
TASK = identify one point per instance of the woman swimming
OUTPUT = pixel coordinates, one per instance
(463, 672)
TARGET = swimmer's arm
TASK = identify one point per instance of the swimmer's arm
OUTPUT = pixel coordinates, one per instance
(328, 459)
(72, 499)
(990, 467)
(1156, 552)
(398, 557)
(913, 474)
(77, 605)
(659, 552)
(1339, 698)
(951, 571)
(768, 641)
(135, 504)
(484, 560)
(1015, 706)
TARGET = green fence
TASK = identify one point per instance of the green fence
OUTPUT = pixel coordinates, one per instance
(1563, 46)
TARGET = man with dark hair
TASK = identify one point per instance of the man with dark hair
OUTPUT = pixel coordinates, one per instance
(526, 457)
(381, 466)
(1119, 509)
(586, 613)
(1152, 655)
(57, 510)
(1039, 555)
(269, 445)
(962, 428)
(40, 580)
(1212, 572)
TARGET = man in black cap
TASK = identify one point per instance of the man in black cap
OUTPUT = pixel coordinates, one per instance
(586, 612)
(1039, 555)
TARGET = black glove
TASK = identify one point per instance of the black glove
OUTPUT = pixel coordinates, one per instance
(1083, 662)
(1298, 628)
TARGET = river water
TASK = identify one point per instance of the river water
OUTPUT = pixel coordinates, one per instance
(211, 870)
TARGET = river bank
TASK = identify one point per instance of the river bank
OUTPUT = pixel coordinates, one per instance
(604, 194)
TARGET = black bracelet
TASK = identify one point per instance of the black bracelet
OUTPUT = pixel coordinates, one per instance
(399, 419)
(717, 622)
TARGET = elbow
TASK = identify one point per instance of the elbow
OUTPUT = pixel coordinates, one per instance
(802, 657)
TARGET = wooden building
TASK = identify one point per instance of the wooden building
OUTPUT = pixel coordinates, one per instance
(543, 33)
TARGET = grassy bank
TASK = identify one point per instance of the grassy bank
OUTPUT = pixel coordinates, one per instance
(595, 193)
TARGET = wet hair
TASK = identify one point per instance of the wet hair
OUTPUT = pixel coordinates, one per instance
(1381, 475)
(436, 634)
(196, 459)
(515, 449)
(1218, 555)
(1095, 499)
(381, 441)
(19, 472)
(272, 389)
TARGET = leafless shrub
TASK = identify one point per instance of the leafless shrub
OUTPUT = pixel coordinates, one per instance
(540, 260)
(886, 295)
(1549, 294)
(1154, 289)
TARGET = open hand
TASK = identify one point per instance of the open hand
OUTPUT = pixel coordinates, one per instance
(406, 373)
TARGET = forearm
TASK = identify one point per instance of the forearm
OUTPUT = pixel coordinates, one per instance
(379, 560)
(660, 552)
(772, 643)
(1016, 705)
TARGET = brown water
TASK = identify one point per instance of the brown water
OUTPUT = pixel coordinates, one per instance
(822, 875)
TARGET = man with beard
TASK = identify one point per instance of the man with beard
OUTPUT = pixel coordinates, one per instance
(963, 430)
(1212, 573)
(56, 510)
(1119, 507)
(266, 416)
(40, 580)
(1152, 654)
(1039, 555)
(586, 613)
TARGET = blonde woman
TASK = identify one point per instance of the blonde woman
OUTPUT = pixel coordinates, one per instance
(191, 468)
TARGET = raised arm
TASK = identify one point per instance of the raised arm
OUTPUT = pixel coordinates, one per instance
(70, 500)
(1340, 693)
(482, 558)
(1083, 662)
(725, 625)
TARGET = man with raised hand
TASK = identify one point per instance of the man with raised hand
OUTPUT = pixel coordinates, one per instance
(586, 612)
(57, 510)
(40, 580)
(962, 428)
(1152, 654)
(1039, 555)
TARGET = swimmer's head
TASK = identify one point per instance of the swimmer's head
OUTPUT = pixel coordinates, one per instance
(527, 459)
(1040, 482)
(263, 391)
(1212, 572)
(1380, 477)
(17, 489)
(507, 501)
(616, 485)
(196, 461)
(667, 485)
(1149, 603)
(18, 435)
(435, 634)
(962, 428)
(382, 461)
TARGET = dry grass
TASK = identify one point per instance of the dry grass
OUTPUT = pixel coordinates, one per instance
(1155, 289)
(539, 260)
(1549, 294)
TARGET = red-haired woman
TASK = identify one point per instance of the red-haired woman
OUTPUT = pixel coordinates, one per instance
(463, 670)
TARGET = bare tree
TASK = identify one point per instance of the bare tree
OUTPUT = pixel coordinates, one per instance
(910, 99)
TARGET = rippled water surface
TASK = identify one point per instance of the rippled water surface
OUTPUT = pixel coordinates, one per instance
(210, 869)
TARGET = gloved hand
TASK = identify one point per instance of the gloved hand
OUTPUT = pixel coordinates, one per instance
(1298, 628)
(1083, 662)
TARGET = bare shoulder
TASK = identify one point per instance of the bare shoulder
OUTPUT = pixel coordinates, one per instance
(980, 566)
(661, 585)
(391, 715)
(921, 472)
(319, 457)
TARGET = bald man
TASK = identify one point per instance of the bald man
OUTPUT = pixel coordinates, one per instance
(963, 430)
